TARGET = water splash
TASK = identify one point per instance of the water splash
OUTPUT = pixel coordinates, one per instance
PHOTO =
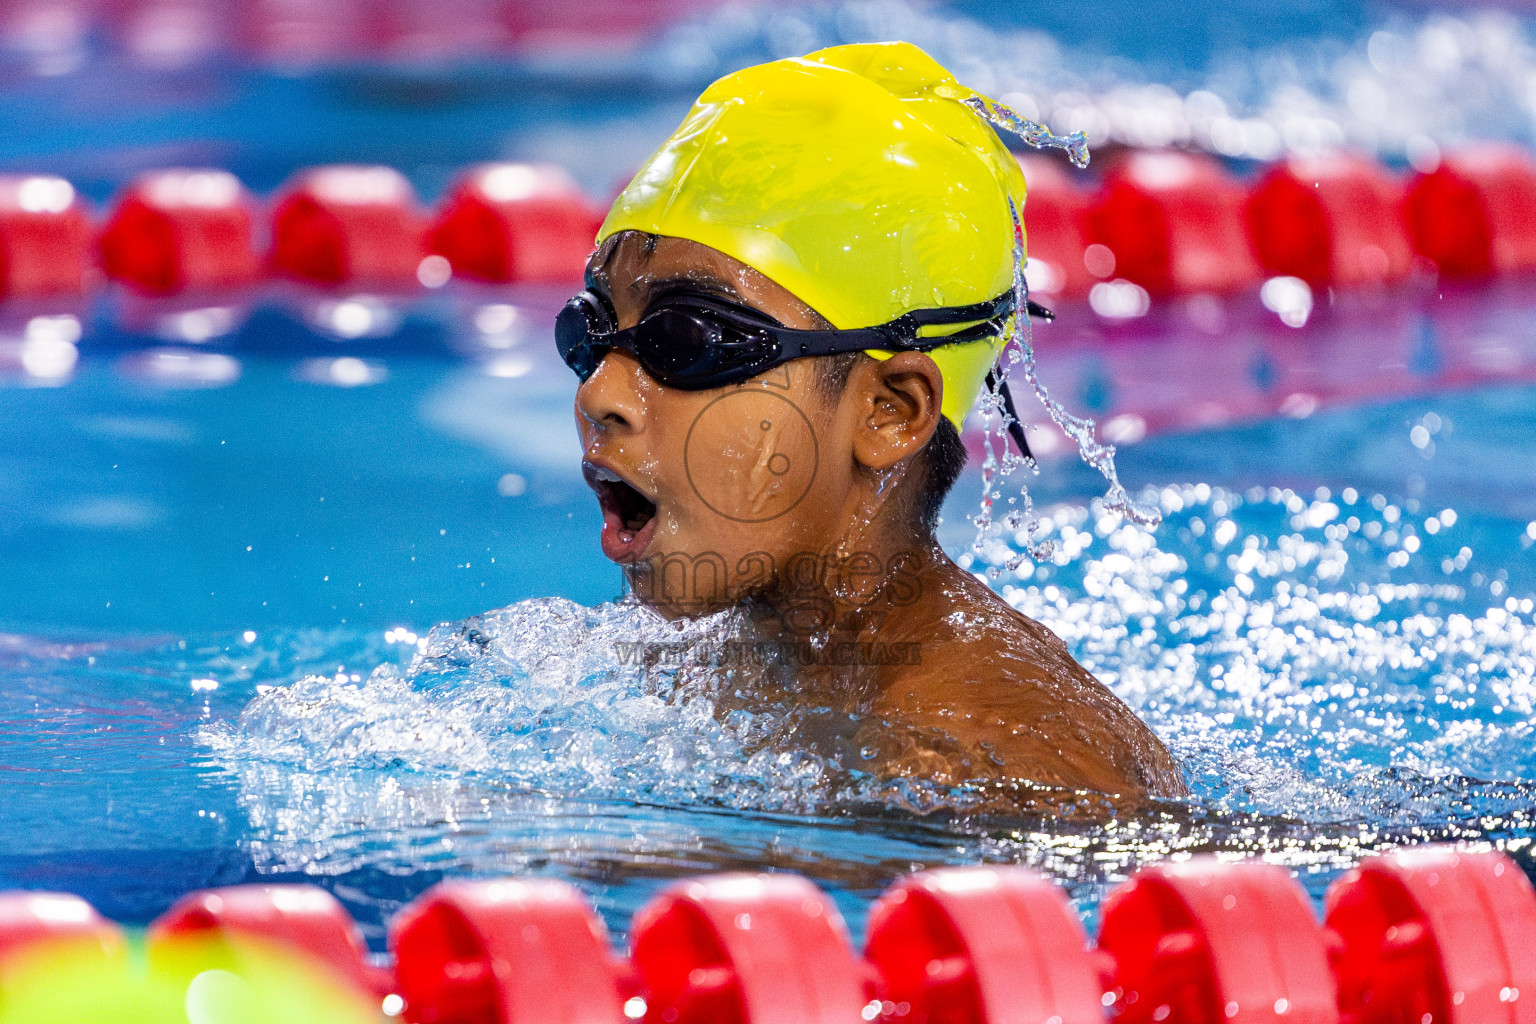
(546, 696)
(1328, 684)
(1279, 646)
(1278, 643)
(1019, 352)
(1001, 462)
(1074, 144)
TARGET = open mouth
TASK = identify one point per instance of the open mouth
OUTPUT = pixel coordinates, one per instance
(629, 517)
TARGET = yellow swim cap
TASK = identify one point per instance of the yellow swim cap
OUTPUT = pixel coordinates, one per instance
(857, 178)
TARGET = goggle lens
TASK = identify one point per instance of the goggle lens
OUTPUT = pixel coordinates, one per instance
(682, 347)
(577, 323)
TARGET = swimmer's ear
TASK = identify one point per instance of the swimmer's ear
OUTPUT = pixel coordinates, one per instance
(900, 400)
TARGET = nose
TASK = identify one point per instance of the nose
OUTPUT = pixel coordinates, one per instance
(613, 397)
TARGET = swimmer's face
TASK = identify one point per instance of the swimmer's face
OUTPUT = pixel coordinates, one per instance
(706, 494)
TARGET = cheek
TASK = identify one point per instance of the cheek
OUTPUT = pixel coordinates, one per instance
(750, 457)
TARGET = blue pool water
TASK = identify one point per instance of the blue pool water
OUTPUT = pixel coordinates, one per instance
(218, 659)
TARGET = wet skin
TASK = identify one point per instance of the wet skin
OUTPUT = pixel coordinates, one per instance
(784, 497)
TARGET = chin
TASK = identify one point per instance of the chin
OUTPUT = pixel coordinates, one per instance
(691, 577)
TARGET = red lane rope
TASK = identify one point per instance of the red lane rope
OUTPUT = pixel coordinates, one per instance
(1157, 224)
(1425, 934)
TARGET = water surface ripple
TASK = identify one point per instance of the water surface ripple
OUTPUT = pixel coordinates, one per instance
(1335, 672)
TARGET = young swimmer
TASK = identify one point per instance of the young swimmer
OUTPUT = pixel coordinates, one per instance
(791, 310)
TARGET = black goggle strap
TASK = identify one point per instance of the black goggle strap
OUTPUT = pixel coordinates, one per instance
(895, 335)
(985, 320)
(901, 334)
(996, 312)
(910, 324)
(994, 377)
(1015, 427)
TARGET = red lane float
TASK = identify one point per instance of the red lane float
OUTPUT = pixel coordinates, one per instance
(1174, 222)
(303, 917)
(747, 949)
(346, 225)
(983, 946)
(1055, 212)
(534, 24)
(1431, 934)
(1474, 216)
(511, 951)
(1208, 941)
(182, 229)
(300, 32)
(1435, 934)
(45, 237)
(1333, 221)
(1170, 222)
(506, 223)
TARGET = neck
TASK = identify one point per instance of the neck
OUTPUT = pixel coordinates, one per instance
(855, 631)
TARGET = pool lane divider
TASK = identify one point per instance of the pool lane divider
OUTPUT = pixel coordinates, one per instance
(1423, 935)
(1170, 222)
(190, 231)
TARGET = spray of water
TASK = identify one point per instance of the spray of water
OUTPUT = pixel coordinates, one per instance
(1074, 144)
(1001, 462)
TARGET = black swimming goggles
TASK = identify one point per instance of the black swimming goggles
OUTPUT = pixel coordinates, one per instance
(695, 342)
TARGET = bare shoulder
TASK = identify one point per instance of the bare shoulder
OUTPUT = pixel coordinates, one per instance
(1002, 684)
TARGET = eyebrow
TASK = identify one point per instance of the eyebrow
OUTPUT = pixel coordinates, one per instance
(653, 288)
(650, 288)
